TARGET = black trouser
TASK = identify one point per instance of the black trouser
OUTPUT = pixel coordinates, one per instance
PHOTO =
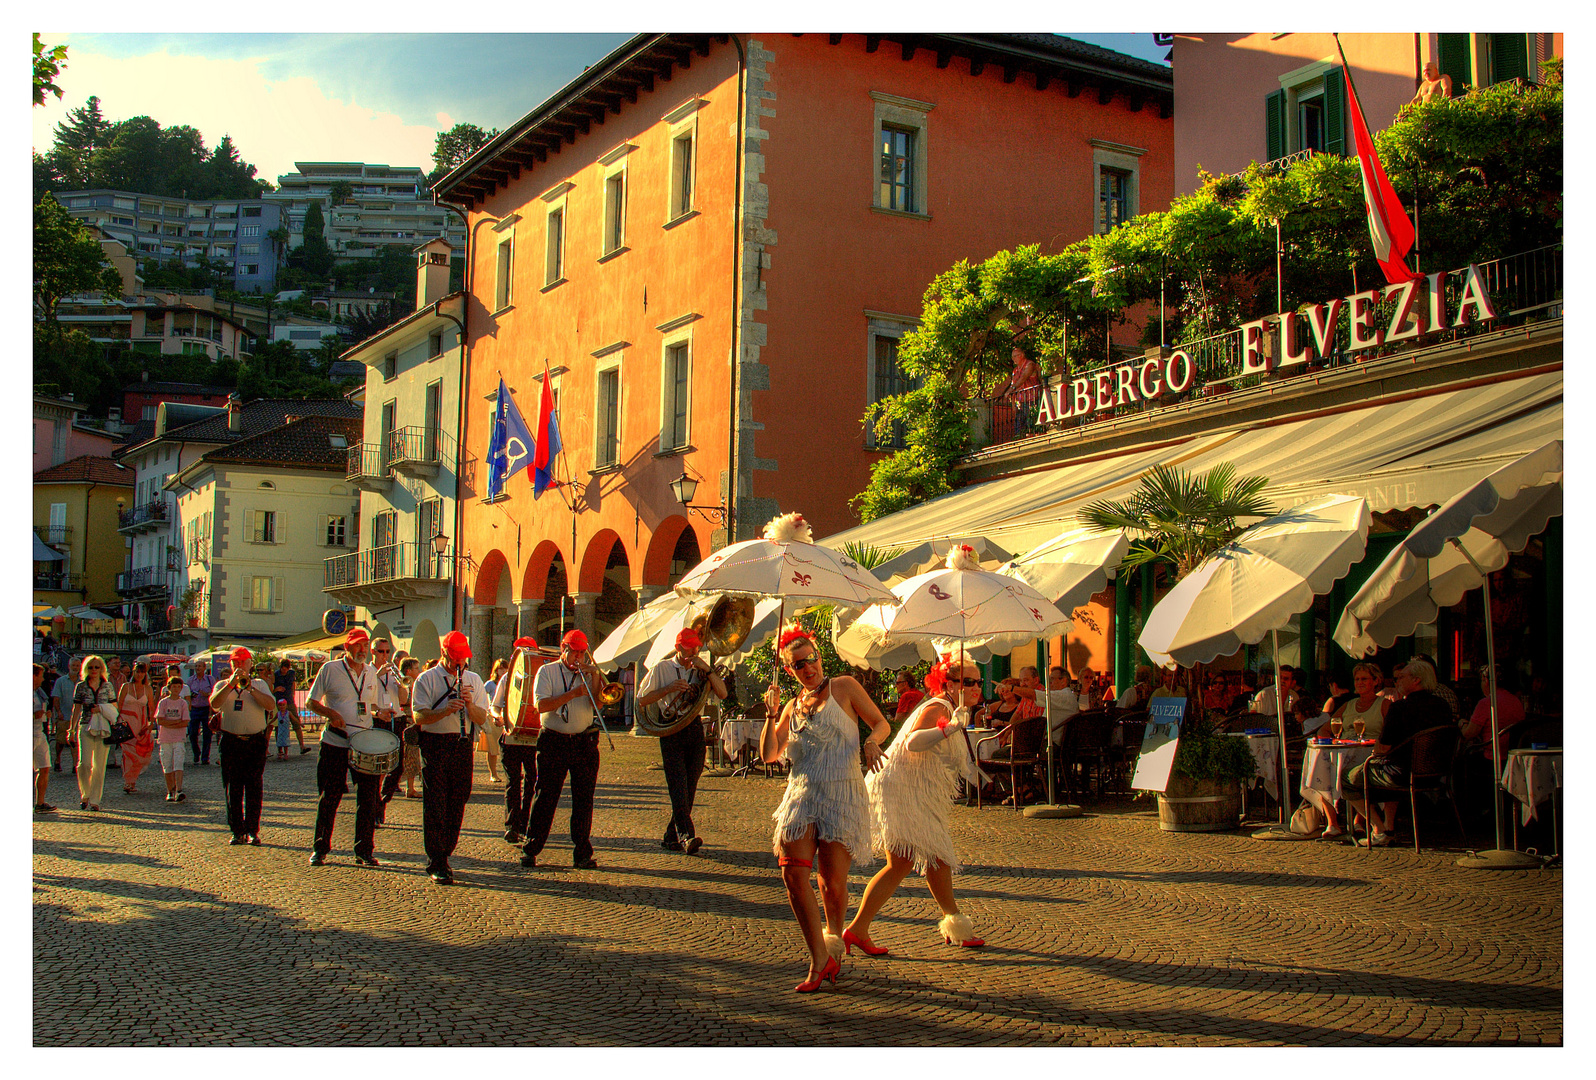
(682, 755)
(445, 790)
(559, 754)
(390, 783)
(516, 761)
(243, 765)
(196, 724)
(332, 780)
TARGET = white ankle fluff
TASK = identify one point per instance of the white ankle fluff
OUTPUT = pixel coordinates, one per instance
(833, 945)
(956, 928)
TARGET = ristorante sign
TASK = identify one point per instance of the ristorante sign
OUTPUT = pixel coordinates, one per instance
(1298, 337)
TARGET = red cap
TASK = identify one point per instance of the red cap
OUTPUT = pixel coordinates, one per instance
(241, 653)
(524, 643)
(455, 646)
(688, 639)
(356, 633)
(575, 639)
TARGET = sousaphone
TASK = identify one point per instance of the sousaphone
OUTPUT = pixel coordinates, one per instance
(722, 629)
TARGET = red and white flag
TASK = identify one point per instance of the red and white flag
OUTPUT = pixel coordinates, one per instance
(1389, 227)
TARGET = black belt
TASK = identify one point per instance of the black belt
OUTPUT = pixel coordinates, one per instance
(446, 736)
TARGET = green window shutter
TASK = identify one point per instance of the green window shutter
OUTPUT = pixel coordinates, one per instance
(1509, 57)
(1275, 124)
(1335, 112)
(1454, 60)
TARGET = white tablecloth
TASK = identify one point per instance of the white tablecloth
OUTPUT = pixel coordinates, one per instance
(984, 752)
(1266, 759)
(1532, 777)
(736, 735)
(1321, 771)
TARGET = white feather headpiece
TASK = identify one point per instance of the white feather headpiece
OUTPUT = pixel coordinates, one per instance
(789, 528)
(962, 557)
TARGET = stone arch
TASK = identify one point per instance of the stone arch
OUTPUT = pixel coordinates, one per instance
(380, 629)
(555, 583)
(535, 576)
(597, 559)
(493, 567)
(662, 547)
(616, 600)
(424, 642)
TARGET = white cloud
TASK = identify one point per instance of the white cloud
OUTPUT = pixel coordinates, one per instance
(273, 123)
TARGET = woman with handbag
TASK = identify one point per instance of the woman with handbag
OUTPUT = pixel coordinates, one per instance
(93, 706)
(133, 705)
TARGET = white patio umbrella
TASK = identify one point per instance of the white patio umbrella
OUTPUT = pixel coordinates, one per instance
(630, 641)
(1073, 566)
(933, 554)
(1255, 585)
(1448, 554)
(954, 609)
(766, 615)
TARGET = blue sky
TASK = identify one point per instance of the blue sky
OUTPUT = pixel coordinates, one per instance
(354, 97)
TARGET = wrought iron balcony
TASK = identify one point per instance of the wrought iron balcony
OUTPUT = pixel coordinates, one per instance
(146, 518)
(53, 534)
(366, 467)
(57, 581)
(417, 451)
(395, 573)
(143, 581)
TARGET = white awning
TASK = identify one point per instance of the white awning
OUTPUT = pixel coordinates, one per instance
(1414, 452)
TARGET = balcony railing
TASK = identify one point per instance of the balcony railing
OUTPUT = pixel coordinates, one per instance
(418, 450)
(52, 581)
(366, 466)
(152, 515)
(1526, 287)
(143, 579)
(407, 566)
(53, 534)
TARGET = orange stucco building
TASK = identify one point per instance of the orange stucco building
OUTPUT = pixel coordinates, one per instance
(704, 229)
(1242, 98)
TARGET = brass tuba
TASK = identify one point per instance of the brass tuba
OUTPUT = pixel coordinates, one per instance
(722, 629)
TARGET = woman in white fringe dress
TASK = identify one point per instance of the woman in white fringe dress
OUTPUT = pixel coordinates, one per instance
(824, 814)
(909, 800)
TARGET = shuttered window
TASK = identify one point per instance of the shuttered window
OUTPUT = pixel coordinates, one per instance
(1509, 57)
(1455, 61)
(1335, 112)
(1275, 124)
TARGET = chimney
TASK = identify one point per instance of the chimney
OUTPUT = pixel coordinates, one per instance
(235, 410)
(432, 272)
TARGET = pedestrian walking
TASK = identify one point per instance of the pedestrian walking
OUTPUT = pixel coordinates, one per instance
(398, 698)
(41, 743)
(133, 704)
(520, 734)
(675, 683)
(450, 707)
(564, 693)
(410, 770)
(93, 707)
(61, 699)
(200, 685)
(491, 731)
(284, 683)
(347, 694)
(171, 718)
(285, 715)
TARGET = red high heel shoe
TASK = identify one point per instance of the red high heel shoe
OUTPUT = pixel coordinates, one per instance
(830, 971)
(958, 930)
(850, 939)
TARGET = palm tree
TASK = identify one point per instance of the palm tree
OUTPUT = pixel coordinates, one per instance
(1182, 517)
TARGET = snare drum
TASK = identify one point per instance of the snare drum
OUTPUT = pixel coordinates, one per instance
(374, 751)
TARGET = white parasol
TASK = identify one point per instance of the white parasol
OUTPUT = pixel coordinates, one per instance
(933, 555)
(1450, 553)
(629, 641)
(1073, 566)
(1256, 584)
(785, 563)
(766, 623)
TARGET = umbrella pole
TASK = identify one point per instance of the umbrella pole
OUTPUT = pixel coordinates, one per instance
(1280, 718)
(1047, 712)
(1502, 858)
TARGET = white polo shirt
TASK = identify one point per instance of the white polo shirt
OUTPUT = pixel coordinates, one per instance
(554, 680)
(436, 686)
(662, 675)
(243, 715)
(355, 696)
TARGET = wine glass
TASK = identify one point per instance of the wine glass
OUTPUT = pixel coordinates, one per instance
(1335, 727)
(1357, 727)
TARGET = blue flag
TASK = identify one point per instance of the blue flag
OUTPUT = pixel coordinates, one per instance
(510, 446)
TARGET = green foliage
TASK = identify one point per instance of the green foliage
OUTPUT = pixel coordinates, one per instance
(67, 260)
(1483, 173)
(48, 60)
(454, 146)
(1184, 517)
(340, 192)
(1206, 753)
(138, 154)
(312, 256)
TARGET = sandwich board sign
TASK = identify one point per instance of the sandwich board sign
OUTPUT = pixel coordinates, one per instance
(1159, 743)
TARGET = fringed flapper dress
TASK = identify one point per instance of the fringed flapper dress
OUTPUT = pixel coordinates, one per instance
(825, 788)
(910, 796)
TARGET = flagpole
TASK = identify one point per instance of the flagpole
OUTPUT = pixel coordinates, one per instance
(1356, 107)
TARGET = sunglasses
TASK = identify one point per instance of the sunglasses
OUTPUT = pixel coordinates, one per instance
(970, 682)
(805, 662)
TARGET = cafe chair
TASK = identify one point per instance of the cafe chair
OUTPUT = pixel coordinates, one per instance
(1534, 729)
(1132, 726)
(1088, 747)
(1024, 759)
(1432, 753)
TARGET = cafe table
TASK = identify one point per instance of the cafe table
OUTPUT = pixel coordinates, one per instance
(985, 752)
(1323, 762)
(1266, 758)
(1534, 776)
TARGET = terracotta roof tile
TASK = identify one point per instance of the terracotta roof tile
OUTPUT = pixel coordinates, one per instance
(87, 469)
(306, 441)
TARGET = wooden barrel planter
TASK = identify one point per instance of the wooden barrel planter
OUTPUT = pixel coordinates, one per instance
(1199, 805)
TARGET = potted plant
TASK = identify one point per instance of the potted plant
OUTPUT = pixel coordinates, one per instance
(1181, 519)
(188, 605)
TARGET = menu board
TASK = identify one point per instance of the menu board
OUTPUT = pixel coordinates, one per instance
(1159, 742)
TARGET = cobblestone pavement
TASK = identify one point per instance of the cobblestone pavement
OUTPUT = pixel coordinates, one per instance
(1100, 930)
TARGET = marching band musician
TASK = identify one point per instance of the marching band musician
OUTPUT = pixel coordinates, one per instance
(392, 719)
(244, 703)
(520, 761)
(449, 703)
(564, 693)
(681, 753)
(347, 693)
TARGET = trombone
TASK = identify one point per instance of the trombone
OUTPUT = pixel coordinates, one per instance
(609, 695)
